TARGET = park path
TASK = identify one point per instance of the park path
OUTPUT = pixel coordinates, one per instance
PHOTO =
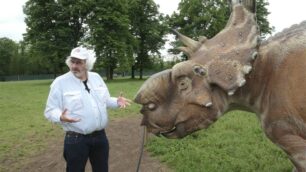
(124, 138)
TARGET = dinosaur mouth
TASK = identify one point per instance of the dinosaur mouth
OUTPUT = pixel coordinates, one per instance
(178, 131)
(168, 131)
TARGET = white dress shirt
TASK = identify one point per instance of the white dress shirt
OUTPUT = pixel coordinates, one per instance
(68, 92)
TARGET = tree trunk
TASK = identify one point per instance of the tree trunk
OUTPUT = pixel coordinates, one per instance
(54, 72)
(107, 73)
(111, 73)
(140, 72)
(133, 72)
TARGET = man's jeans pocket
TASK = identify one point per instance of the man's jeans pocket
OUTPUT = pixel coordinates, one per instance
(72, 139)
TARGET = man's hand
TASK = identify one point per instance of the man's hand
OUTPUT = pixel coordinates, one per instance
(65, 118)
(123, 102)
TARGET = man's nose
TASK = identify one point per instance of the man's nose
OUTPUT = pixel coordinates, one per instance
(73, 65)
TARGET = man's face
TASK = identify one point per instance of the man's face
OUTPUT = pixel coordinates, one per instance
(78, 68)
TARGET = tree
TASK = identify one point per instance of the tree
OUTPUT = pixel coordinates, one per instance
(109, 33)
(19, 61)
(209, 17)
(54, 27)
(148, 27)
(30, 62)
(262, 18)
(8, 50)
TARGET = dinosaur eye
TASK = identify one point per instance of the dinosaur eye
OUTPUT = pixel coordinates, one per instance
(151, 106)
(184, 83)
(199, 70)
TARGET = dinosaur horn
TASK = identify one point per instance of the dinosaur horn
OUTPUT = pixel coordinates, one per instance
(186, 50)
(190, 43)
(248, 4)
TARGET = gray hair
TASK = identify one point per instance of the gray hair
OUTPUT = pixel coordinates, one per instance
(89, 62)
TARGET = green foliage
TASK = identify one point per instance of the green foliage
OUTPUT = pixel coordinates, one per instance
(18, 59)
(18, 62)
(53, 29)
(126, 34)
(235, 143)
(118, 30)
(262, 17)
(148, 27)
(200, 17)
(8, 50)
(109, 33)
(123, 33)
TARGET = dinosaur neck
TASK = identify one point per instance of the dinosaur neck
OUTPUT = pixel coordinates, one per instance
(251, 97)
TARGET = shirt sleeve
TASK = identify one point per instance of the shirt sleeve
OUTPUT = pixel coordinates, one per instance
(53, 109)
(111, 102)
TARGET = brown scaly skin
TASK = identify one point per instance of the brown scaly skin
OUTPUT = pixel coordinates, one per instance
(274, 90)
(186, 98)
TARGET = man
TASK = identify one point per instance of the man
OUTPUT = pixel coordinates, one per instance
(78, 101)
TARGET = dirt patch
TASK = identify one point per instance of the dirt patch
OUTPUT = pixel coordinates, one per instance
(124, 138)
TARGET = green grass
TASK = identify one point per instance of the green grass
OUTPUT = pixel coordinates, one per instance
(129, 88)
(22, 125)
(235, 143)
(24, 131)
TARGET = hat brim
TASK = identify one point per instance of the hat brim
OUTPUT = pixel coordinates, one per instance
(77, 57)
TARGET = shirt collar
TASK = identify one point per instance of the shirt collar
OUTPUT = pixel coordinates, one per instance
(77, 79)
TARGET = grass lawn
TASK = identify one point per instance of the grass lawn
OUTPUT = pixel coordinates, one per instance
(24, 131)
(235, 143)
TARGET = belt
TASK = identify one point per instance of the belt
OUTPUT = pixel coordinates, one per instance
(76, 134)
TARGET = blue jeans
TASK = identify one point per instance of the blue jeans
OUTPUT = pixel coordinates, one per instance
(78, 148)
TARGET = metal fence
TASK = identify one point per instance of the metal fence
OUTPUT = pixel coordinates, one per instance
(27, 77)
(52, 76)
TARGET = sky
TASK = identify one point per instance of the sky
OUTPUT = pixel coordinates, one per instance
(284, 13)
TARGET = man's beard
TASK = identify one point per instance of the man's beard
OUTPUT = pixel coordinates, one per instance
(77, 73)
